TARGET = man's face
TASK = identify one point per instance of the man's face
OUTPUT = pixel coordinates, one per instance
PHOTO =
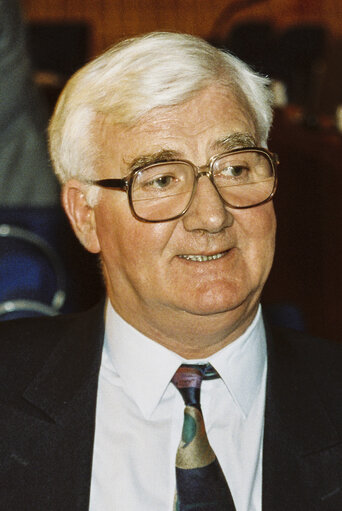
(149, 282)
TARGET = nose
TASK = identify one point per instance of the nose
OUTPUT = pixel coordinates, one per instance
(207, 212)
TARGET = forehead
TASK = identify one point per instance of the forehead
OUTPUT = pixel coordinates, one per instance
(194, 130)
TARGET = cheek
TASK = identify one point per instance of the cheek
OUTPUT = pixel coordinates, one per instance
(114, 239)
(123, 239)
(257, 225)
(257, 228)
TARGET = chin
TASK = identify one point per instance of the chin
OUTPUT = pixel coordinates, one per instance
(216, 301)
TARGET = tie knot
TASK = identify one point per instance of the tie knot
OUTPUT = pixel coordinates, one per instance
(188, 379)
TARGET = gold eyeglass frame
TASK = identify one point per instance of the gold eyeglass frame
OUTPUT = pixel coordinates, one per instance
(125, 184)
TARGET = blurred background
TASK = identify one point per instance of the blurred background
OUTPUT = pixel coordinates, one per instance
(298, 43)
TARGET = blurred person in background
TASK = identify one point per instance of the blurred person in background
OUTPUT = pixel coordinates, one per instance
(26, 176)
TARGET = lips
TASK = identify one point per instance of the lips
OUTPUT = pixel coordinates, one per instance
(200, 258)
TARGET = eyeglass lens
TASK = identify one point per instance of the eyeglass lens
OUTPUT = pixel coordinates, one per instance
(163, 191)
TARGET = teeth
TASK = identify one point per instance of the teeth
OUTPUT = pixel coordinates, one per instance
(202, 258)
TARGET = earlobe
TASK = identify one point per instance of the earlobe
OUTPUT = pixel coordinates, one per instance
(80, 214)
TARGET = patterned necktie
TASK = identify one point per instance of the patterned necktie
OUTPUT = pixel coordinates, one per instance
(201, 485)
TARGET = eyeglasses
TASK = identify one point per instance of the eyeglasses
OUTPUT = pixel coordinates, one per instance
(243, 178)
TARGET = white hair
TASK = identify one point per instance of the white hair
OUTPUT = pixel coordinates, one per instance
(127, 81)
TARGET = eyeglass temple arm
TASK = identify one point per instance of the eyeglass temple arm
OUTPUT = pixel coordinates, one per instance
(120, 184)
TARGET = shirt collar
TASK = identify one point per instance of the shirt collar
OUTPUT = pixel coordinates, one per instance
(146, 367)
(242, 364)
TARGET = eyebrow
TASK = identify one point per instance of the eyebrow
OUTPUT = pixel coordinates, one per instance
(158, 157)
(235, 141)
(226, 143)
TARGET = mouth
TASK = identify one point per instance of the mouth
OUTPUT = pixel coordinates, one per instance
(199, 258)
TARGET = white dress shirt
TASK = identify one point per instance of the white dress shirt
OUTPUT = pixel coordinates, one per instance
(139, 419)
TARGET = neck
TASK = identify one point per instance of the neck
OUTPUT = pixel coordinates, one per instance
(192, 336)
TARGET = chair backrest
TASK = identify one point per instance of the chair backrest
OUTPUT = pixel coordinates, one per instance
(32, 277)
(286, 315)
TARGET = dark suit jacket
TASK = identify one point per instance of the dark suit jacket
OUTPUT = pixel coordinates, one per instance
(48, 385)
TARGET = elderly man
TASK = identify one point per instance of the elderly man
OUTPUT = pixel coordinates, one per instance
(174, 393)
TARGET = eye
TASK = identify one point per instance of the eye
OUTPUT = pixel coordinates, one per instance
(161, 181)
(152, 182)
(233, 171)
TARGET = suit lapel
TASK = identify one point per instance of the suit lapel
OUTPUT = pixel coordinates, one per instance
(76, 358)
(300, 442)
(64, 392)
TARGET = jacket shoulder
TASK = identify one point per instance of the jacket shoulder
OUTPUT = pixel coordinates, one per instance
(310, 350)
(319, 359)
(25, 344)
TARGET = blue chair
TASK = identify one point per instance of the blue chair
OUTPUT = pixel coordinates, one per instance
(32, 276)
(285, 315)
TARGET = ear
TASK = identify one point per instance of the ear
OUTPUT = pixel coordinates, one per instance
(80, 214)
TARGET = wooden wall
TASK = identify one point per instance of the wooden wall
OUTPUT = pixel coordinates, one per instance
(307, 270)
(111, 20)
